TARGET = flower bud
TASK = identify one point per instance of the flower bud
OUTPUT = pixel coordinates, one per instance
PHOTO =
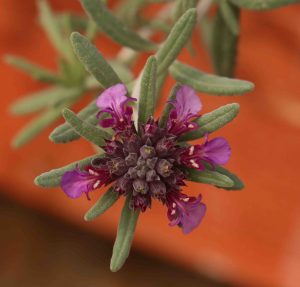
(140, 186)
(164, 168)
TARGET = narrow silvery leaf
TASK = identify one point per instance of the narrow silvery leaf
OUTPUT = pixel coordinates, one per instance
(33, 70)
(122, 71)
(104, 203)
(181, 6)
(114, 28)
(93, 61)
(224, 44)
(212, 121)
(176, 40)
(148, 91)
(124, 237)
(50, 97)
(208, 83)
(168, 107)
(238, 184)
(51, 26)
(229, 16)
(65, 133)
(88, 131)
(262, 4)
(35, 127)
(209, 177)
(53, 177)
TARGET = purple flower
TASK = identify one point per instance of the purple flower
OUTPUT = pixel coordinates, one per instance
(114, 102)
(148, 164)
(186, 106)
(186, 212)
(76, 182)
(214, 152)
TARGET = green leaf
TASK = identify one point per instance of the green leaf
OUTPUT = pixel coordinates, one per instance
(114, 28)
(93, 61)
(124, 237)
(176, 40)
(262, 4)
(229, 16)
(212, 121)
(238, 184)
(168, 107)
(53, 177)
(208, 83)
(44, 99)
(122, 71)
(52, 28)
(181, 6)
(65, 133)
(224, 44)
(33, 70)
(35, 127)
(209, 177)
(104, 203)
(88, 131)
(148, 91)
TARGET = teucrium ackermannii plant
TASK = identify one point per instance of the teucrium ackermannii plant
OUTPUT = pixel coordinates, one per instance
(149, 159)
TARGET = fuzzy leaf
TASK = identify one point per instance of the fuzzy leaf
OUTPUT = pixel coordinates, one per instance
(88, 131)
(176, 40)
(238, 184)
(114, 28)
(148, 91)
(168, 107)
(262, 4)
(124, 237)
(44, 99)
(208, 83)
(104, 203)
(53, 177)
(209, 177)
(35, 71)
(65, 133)
(51, 26)
(93, 61)
(229, 16)
(224, 44)
(212, 121)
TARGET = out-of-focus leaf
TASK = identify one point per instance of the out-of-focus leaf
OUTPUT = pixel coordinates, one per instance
(212, 121)
(114, 28)
(262, 4)
(229, 15)
(209, 83)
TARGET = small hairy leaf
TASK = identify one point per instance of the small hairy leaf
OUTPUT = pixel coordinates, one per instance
(33, 70)
(178, 37)
(53, 177)
(209, 177)
(238, 184)
(88, 131)
(229, 16)
(262, 4)
(104, 203)
(93, 61)
(208, 83)
(65, 133)
(212, 121)
(114, 28)
(148, 91)
(124, 237)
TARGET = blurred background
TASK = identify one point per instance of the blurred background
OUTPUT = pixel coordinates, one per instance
(248, 238)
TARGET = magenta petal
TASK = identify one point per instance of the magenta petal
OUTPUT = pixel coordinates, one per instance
(74, 183)
(107, 123)
(195, 213)
(217, 151)
(187, 103)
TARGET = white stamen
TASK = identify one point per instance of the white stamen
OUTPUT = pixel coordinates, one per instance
(174, 205)
(173, 211)
(96, 184)
(194, 164)
(190, 126)
(185, 199)
(92, 172)
(121, 120)
(191, 150)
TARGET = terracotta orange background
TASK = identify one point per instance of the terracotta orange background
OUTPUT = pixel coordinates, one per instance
(252, 236)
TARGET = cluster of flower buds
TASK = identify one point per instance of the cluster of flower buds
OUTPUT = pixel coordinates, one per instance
(148, 162)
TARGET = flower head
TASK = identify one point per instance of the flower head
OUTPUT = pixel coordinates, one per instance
(149, 165)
